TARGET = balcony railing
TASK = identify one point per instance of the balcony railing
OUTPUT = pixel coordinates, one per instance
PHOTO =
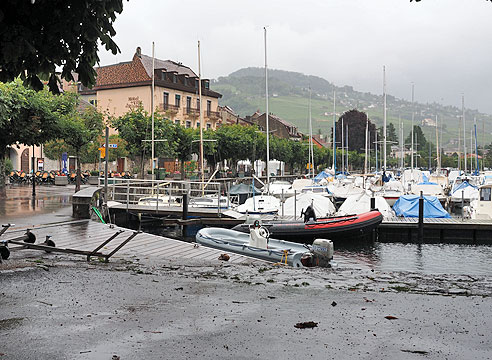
(213, 114)
(169, 107)
(192, 112)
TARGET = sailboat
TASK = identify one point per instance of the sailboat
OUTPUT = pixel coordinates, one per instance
(265, 203)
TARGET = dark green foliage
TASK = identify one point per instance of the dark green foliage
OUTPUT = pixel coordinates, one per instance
(356, 122)
(38, 36)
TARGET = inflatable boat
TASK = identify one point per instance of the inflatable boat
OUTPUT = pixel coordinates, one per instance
(258, 244)
(335, 228)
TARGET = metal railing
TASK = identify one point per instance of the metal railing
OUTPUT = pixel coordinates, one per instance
(166, 193)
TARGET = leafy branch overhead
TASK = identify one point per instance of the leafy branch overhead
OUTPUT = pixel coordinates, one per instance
(38, 36)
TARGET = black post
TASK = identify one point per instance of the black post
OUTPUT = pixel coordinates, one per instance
(185, 206)
(33, 173)
(373, 203)
(421, 217)
(462, 205)
(185, 213)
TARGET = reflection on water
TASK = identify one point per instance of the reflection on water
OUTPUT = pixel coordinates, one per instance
(473, 260)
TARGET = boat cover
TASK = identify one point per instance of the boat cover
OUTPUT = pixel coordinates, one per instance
(408, 206)
(240, 189)
(322, 175)
(361, 203)
(322, 206)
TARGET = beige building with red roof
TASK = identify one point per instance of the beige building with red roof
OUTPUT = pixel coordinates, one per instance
(124, 85)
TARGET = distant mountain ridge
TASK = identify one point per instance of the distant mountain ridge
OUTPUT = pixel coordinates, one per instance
(244, 91)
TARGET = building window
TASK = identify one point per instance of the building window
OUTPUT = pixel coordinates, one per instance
(188, 124)
(165, 100)
(177, 122)
(93, 102)
(175, 78)
(198, 124)
(196, 83)
(198, 104)
(188, 104)
(163, 75)
(209, 126)
(177, 100)
(209, 107)
(207, 85)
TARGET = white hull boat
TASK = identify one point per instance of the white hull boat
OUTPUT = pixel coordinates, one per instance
(260, 204)
(257, 244)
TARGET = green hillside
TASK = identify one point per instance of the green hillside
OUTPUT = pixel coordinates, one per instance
(244, 91)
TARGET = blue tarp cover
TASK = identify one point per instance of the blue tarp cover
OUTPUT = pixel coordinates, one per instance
(463, 185)
(425, 181)
(408, 206)
(322, 175)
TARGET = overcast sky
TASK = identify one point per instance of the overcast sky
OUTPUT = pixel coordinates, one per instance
(443, 46)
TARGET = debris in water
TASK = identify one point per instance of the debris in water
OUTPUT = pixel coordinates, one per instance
(306, 325)
(334, 303)
(178, 289)
(224, 257)
(390, 317)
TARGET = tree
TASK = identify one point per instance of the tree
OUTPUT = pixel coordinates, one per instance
(78, 130)
(355, 121)
(183, 145)
(36, 37)
(28, 117)
(420, 142)
(54, 150)
(135, 127)
(235, 142)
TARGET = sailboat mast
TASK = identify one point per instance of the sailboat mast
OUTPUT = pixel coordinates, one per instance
(267, 117)
(476, 147)
(438, 166)
(376, 148)
(311, 149)
(334, 135)
(402, 159)
(384, 117)
(347, 145)
(152, 108)
(202, 170)
(464, 127)
(413, 117)
(365, 157)
(343, 153)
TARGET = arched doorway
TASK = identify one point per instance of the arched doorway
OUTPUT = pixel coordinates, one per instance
(25, 160)
(14, 157)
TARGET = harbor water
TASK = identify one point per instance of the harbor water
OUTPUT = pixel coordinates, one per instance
(430, 259)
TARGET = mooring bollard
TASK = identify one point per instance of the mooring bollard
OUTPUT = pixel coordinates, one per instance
(185, 213)
(421, 216)
(373, 203)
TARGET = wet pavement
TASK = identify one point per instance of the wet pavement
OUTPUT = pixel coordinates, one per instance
(61, 307)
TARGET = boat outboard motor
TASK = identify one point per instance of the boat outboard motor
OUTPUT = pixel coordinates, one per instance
(320, 255)
(309, 214)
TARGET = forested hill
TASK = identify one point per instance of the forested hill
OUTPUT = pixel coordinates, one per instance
(244, 91)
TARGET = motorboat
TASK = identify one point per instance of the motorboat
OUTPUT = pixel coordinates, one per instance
(281, 188)
(463, 193)
(211, 201)
(160, 200)
(390, 191)
(358, 204)
(257, 243)
(260, 204)
(429, 189)
(481, 208)
(343, 189)
(336, 228)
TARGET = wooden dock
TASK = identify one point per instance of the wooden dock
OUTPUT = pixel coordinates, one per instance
(86, 235)
(451, 230)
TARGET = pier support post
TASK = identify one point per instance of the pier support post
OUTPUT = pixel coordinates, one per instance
(462, 205)
(421, 217)
(185, 206)
(373, 203)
